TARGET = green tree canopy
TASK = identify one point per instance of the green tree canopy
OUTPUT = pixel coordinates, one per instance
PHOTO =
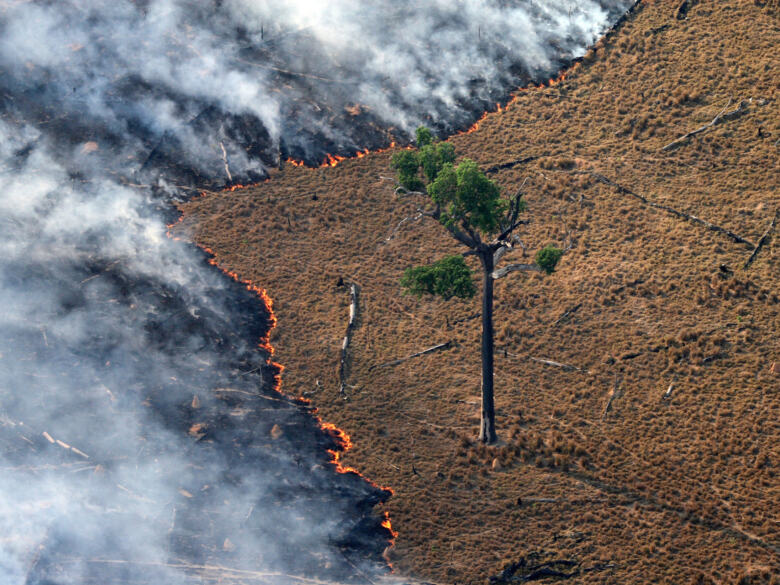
(466, 196)
(447, 278)
(431, 156)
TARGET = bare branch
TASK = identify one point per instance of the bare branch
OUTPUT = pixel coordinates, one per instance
(419, 215)
(502, 272)
(474, 234)
(505, 234)
(501, 252)
(510, 221)
(400, 189)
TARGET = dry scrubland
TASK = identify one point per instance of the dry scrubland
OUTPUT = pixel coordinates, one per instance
(677, 490)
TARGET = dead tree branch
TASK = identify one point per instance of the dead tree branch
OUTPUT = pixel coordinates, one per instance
(225, 160)
(343, 363)
(502, 272)
(722, 116)
(438, 347)
(692, 218)
(419, 215)
(565, 367)
(764, 239)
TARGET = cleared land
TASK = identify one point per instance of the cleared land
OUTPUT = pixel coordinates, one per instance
(597, 465)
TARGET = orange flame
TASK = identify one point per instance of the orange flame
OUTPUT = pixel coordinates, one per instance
(387, 524)
(332, 160)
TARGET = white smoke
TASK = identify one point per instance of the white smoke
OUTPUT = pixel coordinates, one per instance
(183, 78)
(109, 329)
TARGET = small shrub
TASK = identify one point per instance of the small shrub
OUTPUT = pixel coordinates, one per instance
(547, 258)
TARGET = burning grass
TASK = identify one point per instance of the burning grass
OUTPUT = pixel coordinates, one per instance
(658, 452)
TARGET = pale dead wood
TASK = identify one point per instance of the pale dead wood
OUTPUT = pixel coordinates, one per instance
(502, 272)
(36, 556)
(225, 160)
(614, 393)
(343, 362)
(764, 239)
(722, 116)
(669, 390)
(692, 218)
(438, 347)
(567, 367)
(418, 216)
(563, 366)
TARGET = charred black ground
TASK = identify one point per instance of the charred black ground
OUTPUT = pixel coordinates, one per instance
(241, 434)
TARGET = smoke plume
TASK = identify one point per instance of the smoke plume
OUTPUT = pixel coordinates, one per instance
(216, 87)
(141, 439)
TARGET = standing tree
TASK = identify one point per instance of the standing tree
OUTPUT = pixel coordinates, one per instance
(469, 205)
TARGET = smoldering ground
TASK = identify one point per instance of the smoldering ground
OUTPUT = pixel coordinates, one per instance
(138, 425)
(213, 88)
(140, 436)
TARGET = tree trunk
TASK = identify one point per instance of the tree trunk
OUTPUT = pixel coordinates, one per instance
(487, 427)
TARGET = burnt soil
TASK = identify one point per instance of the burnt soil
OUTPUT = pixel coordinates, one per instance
(597, 474)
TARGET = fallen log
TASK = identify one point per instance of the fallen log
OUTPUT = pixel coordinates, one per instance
(613, 394)
(668, 393)
(438, 347)
(764, 239)
(566, 367)
(343, 363)
(692, 218)
(464, 319)
(722, 116)
(509, 164)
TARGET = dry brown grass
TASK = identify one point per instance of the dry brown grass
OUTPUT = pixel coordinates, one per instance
(683, 490)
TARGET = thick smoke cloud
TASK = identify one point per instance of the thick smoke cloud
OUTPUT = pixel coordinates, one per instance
(174, 82)
(140, 437)
(136, 412)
